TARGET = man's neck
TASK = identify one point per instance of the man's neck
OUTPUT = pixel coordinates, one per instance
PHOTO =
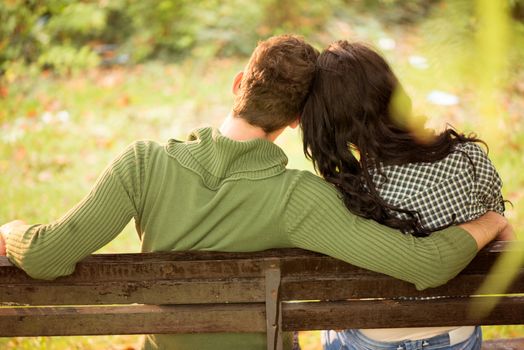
(239, 129)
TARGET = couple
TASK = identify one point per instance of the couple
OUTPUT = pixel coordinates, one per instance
(229, 189)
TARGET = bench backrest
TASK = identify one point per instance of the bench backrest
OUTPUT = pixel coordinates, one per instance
(181, 292)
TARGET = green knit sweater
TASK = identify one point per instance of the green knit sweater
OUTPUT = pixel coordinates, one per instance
(213, 193)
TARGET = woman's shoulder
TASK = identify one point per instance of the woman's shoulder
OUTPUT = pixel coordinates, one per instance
(472, 149)
(463, 156)
(479, 161)
(457, 188)
(465, 168)
(421, 175)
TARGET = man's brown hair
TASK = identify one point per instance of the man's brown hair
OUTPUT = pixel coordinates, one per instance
(276, 82)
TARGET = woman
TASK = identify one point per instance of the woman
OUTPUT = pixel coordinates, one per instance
(355, 129)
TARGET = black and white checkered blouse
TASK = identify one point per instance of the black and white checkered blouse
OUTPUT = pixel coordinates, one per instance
(458, 188)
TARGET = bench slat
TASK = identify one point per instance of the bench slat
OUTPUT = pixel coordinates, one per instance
(138, 319)
(199, 264)
(401, 313)
(503, 344)
(145, 292)
(176, 291)
(339, 287)
(190, 277)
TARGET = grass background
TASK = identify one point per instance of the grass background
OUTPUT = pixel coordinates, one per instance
(57, 133)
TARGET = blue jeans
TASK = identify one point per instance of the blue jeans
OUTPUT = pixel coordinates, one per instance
(353, 339)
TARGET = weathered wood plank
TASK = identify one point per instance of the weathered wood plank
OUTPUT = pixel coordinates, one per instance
(187, 277)
(503, 344)
(346, 286)
(140, 267)
(199, 264)
(133, 292)
(401, 313)
(240, 290)
(140, 319)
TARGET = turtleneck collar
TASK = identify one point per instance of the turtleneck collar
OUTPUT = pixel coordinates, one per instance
(218, 158)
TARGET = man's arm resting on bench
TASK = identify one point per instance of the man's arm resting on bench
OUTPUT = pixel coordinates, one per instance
(487, 227)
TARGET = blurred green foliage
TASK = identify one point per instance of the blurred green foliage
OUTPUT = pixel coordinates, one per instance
(66, 35)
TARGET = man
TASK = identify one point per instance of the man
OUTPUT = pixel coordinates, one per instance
(229, 190)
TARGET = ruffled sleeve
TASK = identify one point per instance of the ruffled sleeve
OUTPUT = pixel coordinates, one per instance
(487, 188)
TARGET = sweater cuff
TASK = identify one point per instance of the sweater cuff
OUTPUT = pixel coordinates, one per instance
(456, 250)
(16, 244)
(466, 240)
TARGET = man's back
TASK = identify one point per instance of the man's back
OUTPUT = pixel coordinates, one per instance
(214, 193)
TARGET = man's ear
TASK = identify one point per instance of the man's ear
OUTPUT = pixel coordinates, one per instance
(236, 82)
(295, 123)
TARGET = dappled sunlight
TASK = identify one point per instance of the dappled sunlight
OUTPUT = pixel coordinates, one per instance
(492, 51)
(493, 41)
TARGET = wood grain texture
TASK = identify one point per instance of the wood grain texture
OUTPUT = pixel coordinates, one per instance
(193, 277)
(251, 317)
(219, 292)
(139, 319)
(503, 344)
(401, 313)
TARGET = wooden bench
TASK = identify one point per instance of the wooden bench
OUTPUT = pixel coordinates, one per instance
(271, 291)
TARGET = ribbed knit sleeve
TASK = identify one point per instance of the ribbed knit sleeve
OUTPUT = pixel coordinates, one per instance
(317, 220)
(52, 250)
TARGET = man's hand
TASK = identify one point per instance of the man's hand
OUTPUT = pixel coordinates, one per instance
(5, 230)
(2, 245)
(486, 228)
(507, 234)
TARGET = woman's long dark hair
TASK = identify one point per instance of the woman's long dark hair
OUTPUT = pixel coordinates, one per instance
(357, 102)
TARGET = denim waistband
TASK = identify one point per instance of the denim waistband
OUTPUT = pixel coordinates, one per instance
(435, 342)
